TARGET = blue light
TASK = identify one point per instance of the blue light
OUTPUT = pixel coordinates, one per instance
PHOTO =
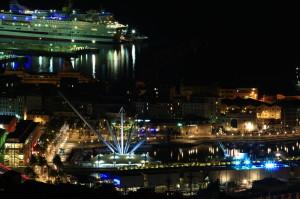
(153, 130)
(15, 18)
(270, 165)
(248, 165)
(104, 176)
(28, 62)
(237, 162)
(247, 161)
(240, 156)
(116, 181)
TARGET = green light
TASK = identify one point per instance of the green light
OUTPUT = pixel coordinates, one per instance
(179, 124)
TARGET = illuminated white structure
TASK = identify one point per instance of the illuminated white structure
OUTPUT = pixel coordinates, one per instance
(123, 152)
(121, 147)
(91, 27)
(122, 143)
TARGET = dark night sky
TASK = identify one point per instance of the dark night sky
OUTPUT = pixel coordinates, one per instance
(234, 40)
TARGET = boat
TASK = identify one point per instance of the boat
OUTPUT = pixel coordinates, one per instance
(71, 26)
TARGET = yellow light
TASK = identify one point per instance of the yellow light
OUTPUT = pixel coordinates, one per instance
(249, 126)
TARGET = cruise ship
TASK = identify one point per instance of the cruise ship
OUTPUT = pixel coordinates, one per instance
(73, 26)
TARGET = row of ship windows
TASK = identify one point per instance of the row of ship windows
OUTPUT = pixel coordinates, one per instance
(55, 26)
(39, 25)
(17, 28)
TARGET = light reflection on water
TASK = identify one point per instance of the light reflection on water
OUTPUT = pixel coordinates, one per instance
(109, 63)
(205, 152)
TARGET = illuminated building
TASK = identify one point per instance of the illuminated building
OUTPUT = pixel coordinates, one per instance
(38, 117)
(201, 106)
(155, 110)
(240, 111)
(244, 93)
(47, 78)
(204, 107)
(268, 112)
(196, 130)
(12, 105)
(20, 143)
(7, 125)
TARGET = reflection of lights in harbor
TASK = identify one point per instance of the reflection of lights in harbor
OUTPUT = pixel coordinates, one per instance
(40, 61)
(116, 62)
(94, 66)
(73, 62)
(51, 65)
(122, 55)
(80, 59)
(133, 55)
(115, 59)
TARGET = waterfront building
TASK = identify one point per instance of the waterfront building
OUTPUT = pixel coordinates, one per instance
(265, 112)
(47, 78)
(290, 112)
(204, 107)
(20, 143)
(37, 116)
(248, 115)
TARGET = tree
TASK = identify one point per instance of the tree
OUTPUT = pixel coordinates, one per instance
(41, 160)
(53, 173)
(33, 160)
(57, 161)
(30, 172)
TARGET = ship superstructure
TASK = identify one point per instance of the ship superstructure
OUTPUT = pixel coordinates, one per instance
(91, 27)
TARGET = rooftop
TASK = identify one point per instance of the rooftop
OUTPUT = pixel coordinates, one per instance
(6, 119)
(23, 130)
(243, 102)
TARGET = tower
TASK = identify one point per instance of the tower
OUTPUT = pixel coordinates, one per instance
(297, 77)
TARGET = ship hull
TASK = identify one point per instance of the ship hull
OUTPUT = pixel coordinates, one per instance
(53, 37)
